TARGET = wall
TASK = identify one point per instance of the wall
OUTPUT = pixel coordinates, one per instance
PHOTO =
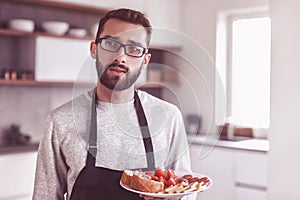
(29, 107)
(199, 22)
(200, 17)
(284, 135)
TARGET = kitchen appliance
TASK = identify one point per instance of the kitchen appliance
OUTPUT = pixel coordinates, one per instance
(193, 124)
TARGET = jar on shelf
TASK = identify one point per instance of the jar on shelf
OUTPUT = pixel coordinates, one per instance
(13, 75)
(5, 74)
(26, 75)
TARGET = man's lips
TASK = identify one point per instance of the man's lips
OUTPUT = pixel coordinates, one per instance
(118, 69)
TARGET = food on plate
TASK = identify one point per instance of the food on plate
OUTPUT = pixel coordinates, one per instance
(140, 181)
(127, 177)
(163, 182)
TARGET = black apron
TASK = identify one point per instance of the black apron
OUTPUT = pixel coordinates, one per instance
(94, 183)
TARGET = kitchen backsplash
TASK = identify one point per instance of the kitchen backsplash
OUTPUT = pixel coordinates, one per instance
(28, 107)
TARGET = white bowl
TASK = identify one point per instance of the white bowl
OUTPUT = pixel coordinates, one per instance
(78, 32)
(55, 27)
(21, 25)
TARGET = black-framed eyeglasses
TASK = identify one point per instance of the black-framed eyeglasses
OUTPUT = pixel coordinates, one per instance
(114, 46)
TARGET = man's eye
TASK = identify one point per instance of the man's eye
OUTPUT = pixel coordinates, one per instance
(135, 49)
(110, 43)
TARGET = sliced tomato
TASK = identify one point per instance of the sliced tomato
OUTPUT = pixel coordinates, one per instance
(171, 181)
(153, 177)
(205, 180)
(163, 180)
(159, 172)
(187, 176)
(194, 179)
(149, 173)
(178, 180)
(170, 173)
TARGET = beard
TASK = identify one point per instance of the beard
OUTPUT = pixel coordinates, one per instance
(114, 82)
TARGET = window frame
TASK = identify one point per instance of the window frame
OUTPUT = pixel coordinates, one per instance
(229, 17)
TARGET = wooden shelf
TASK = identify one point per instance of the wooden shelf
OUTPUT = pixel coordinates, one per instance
(42, 83)
(16, 33)
(61, 5)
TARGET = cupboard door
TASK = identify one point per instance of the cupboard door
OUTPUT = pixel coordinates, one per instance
(63, 59)
(17, 173)
(250, 194)
(218, 165)
(251, 168)
(251, 175)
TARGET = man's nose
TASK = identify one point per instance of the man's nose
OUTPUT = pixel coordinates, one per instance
(120, 56)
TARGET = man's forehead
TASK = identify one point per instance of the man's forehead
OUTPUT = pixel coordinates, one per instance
(124, 31)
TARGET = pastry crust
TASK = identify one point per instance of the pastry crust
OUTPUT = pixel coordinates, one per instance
(141, 182)
(127, 177)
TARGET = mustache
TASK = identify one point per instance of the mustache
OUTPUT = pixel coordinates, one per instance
(118, 65)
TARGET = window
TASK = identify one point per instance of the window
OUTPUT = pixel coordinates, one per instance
(250, 72)
(247, 70)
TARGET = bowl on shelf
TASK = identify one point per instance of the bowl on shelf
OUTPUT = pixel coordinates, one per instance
(78, 32)
(55, 27)
(21, 25)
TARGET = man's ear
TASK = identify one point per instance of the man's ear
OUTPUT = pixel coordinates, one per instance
(93, 47)
(146, 59)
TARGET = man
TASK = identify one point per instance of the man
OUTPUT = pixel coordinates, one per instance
(90, 140)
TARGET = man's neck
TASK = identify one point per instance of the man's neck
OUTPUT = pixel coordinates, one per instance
(107, 95)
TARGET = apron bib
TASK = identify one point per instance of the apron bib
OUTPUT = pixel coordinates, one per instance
(95, 183)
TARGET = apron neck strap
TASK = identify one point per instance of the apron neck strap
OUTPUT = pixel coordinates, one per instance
(92, 145)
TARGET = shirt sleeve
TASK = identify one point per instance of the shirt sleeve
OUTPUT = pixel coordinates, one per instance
(178, 156)
(51, 170)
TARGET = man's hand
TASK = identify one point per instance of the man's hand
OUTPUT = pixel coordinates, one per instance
(156, 198)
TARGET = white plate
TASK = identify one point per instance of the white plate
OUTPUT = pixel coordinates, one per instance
(176, 195)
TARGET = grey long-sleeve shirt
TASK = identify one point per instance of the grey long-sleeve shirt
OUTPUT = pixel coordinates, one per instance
(62, 151)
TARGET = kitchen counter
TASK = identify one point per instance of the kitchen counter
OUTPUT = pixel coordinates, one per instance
(250, 144)
(19, 148)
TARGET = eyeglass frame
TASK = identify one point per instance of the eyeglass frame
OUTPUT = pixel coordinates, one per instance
(99, 40)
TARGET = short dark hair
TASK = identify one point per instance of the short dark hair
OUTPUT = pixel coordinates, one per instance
(127, 15)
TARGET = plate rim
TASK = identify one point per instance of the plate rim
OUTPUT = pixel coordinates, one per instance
(173, 194)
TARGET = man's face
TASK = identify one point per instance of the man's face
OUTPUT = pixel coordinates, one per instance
(116, 70)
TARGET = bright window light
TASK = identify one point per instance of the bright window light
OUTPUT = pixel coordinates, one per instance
(250, 86)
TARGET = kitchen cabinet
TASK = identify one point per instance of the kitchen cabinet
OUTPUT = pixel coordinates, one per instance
(251, 175)
(70, 54)
(218, 165)
(243, 193)
(17, 171)
(47, 55)
(237, 174)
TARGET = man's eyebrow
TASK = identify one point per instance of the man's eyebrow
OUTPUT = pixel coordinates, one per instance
(118, 39)
(111, 37)
(134, 42)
